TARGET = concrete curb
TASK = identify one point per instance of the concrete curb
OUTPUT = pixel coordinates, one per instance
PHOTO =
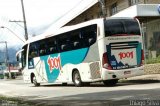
(146, 77)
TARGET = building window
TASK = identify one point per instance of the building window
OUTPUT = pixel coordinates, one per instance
(113, 9)
(100, 14)
(133, 2)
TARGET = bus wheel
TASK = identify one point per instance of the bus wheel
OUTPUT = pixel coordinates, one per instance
(77, 79)
(112, 82)
(64, 84)
(86, 83)
(35, 82)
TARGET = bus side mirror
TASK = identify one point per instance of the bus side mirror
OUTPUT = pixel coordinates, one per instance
(19, 60)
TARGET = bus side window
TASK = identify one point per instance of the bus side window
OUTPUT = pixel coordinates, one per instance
(91, 41)
(76, 44)
(52, 49)
(52, 45)
(42, 48)
(64, 42)
(42, 52)
(64, 47)
(89, 34)
(75, 39)
(33, 50)
(34, 54)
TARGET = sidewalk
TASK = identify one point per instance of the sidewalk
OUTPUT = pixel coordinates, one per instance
(146, 77)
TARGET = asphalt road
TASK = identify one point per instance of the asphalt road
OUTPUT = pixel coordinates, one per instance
(133, 93)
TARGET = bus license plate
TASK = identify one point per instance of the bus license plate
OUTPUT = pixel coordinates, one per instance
(127, 72)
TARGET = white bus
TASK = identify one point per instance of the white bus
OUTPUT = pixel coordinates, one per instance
(98, 50)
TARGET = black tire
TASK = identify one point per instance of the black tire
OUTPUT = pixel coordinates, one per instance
(35, 81)
(77, 79)
(64, 84)
(86, 83)
(112, 82)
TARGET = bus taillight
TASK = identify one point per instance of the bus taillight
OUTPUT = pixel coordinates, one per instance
(105, 62)
(142, 57)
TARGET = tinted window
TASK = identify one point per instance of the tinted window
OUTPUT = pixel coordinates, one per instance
(77, 39)
(69, 41)
(89, 35)
(121, 26)
(42, 47)
(63, 42)
(33, 50)
(51, 45)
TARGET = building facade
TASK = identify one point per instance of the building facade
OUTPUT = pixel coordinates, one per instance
(112, 7)
(147, 11)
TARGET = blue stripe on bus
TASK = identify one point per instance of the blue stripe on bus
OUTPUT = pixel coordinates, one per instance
(72, 57)
(139, 54)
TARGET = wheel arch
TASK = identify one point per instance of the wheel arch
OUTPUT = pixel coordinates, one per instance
(75, 69)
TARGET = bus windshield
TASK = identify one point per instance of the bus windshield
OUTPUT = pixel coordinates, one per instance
(117, 27)
(23, 59)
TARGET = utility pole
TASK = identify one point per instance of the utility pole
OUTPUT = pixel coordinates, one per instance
(7, 58)
(103, 8)
(24, 19)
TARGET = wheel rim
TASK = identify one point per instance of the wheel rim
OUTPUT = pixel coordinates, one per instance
(77, 78)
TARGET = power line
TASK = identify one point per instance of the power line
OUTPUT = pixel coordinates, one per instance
(17, 22)
(13, 33)
(69, 11)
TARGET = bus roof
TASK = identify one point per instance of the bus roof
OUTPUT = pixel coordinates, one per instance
(62, 30)
(69, 28)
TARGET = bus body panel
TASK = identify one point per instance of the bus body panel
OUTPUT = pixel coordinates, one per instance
(27, 75)
(59, 67)
(39, 70)
(120, 74)
(55, 63)
(93, 53)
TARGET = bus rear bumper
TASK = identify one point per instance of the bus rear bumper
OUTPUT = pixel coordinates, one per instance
(124, 73)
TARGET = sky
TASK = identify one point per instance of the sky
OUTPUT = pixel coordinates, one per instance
(40, 15)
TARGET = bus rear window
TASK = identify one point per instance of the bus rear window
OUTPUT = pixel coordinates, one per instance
(121, 27)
